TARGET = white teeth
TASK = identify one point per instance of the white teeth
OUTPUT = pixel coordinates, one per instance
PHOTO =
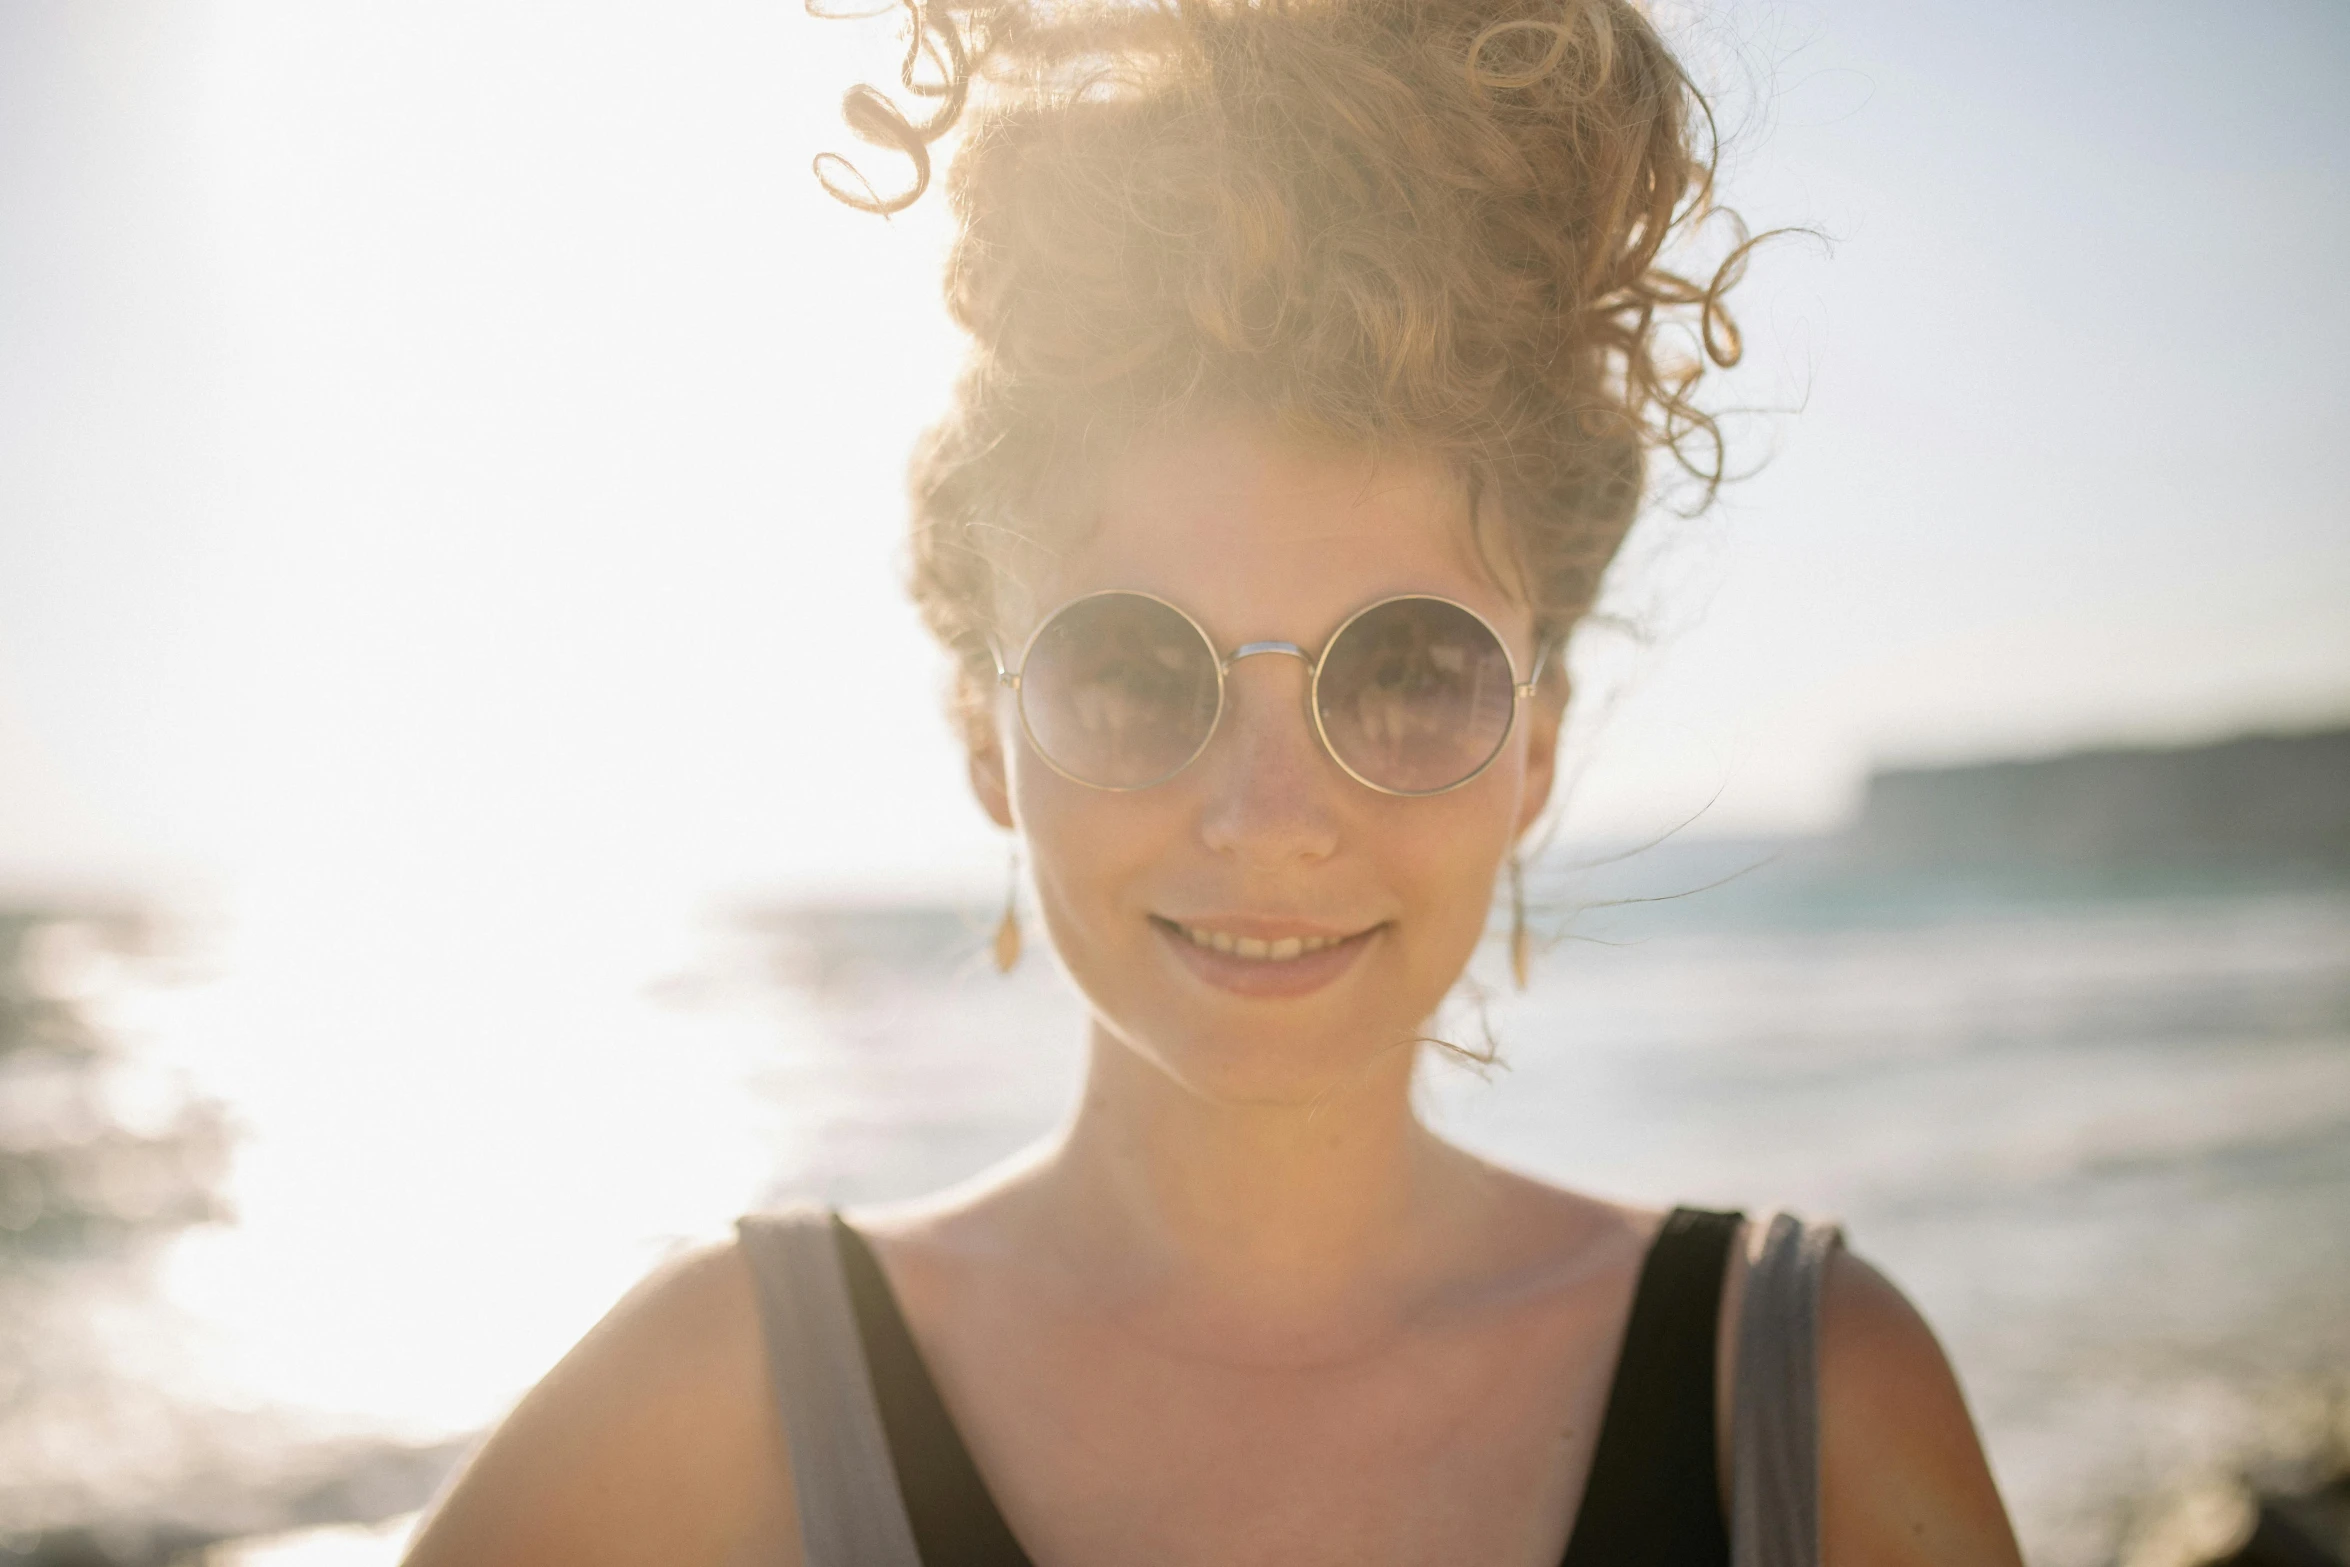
(1277, 951)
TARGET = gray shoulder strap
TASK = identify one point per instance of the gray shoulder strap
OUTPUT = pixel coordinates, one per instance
(1775, 1417)
(851, 1511)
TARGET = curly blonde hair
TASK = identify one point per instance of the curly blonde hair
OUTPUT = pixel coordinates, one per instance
(1431, 225)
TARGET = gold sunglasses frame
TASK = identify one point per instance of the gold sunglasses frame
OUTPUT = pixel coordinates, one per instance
(1010, 680)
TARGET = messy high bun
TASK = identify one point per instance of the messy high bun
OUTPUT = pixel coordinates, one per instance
(1428, 224)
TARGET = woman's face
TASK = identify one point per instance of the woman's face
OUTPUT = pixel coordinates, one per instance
(1262, 837)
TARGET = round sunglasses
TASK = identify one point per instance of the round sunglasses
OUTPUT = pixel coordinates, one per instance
(1413, 695)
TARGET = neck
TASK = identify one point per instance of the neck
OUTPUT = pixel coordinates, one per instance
(1286, 1211)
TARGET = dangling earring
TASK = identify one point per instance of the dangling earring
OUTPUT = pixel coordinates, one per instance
(1007, 931)
(1519, 943)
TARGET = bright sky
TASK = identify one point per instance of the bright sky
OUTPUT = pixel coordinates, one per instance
(457, 439)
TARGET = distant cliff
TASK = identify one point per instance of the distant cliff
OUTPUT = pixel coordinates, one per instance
(2262, 803)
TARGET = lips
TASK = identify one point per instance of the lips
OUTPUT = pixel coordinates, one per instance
(1262, 958)
(1279, 949)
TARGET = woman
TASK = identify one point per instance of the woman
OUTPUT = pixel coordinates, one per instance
(1316, 369)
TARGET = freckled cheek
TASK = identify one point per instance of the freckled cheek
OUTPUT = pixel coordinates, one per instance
(1090, 854)
(1441, 853)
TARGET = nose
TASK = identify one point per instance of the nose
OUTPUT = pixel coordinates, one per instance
(1268, 782)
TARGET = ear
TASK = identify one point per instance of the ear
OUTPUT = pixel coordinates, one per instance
(983, 748)
(1546, 713)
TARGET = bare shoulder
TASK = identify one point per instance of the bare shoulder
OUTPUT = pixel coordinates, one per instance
(652, 1441)
(1902, 1474)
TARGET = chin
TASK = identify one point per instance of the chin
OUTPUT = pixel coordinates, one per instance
(1248, 1050)
(1268, 1066)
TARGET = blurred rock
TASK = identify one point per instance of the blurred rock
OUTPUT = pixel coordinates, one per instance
(2275, 804)
(352, 1481)
(103, 1160)
(2303, 1529)
(97, 1157)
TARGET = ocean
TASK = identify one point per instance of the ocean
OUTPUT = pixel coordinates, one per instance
(2102, 1140)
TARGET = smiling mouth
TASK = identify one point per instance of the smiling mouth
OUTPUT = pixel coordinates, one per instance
(1256, 949)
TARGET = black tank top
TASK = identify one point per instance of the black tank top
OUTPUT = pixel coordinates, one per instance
(1653, 1495)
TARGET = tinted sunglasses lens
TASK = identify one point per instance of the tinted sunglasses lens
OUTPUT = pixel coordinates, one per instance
(1416, 695)
(1119, 690)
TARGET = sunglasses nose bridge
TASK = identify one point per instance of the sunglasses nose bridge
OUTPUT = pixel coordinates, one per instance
(1266, 787)
(1249, 650)
(1259, 649)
